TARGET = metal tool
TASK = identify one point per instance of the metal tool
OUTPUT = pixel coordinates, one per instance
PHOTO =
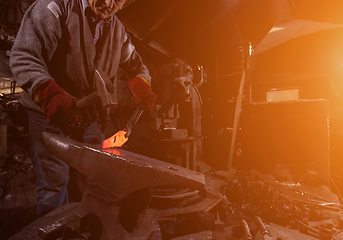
(121, 137)
(219, 229)
(260, 225)
(105, 92)
(262, 233)
(246, 230)
(112, 174)
(133, 120)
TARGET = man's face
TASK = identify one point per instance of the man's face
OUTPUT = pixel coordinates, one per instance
(105, 8)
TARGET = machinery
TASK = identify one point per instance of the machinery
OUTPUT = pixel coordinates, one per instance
(178, 132)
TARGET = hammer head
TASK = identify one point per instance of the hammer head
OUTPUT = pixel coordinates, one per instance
(105, 88)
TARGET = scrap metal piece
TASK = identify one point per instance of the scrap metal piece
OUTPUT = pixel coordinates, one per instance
(54, 226)
(262, 233)
(260, 236)
(206, 235)
(203, 206)
(260, 225)
(213, 198)
(219, 229)
(246, 230)
(280, 232)
(176, 196)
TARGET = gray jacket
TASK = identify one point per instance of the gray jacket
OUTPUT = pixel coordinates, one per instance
(55, 42)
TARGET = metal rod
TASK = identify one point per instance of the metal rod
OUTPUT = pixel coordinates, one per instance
(133, 119)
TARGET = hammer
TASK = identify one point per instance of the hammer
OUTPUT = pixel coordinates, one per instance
(105, 91)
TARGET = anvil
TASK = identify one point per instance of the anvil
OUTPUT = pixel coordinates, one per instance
(112, 174)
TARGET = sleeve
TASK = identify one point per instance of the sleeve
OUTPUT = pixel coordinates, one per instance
(36, 43)
(131, 61)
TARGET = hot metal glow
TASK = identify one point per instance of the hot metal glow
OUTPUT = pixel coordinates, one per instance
(114, 151)
(117, 140)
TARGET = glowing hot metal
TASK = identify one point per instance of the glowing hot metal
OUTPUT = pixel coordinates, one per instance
(121, 137)
(117, 140)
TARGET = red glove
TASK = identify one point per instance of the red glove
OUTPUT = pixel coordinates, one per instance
(58, 105)
(142, 92)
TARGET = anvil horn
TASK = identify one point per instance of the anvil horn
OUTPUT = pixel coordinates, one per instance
(120, 172)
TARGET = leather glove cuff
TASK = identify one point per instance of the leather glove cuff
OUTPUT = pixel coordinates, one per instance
(142, 92)
(58, 105)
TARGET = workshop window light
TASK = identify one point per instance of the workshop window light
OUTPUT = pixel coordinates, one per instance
(275, 95)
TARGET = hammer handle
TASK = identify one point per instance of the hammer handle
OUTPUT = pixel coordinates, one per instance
(84, 102)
